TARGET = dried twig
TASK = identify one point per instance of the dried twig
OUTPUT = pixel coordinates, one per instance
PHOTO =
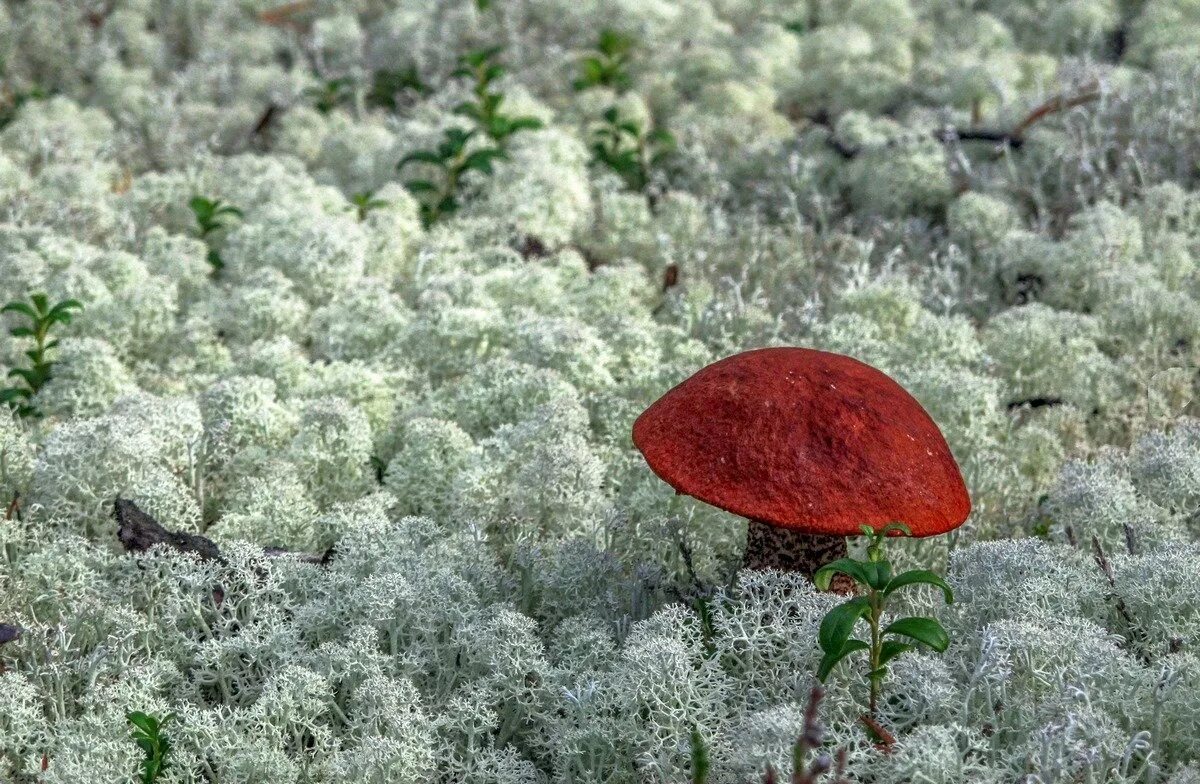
(1122, 610)
(812, 736)
(1059, 103)
(13, 512)
(1012, 137)
(885, 738)
(264, 121)
(1130, 539)
(284, 15)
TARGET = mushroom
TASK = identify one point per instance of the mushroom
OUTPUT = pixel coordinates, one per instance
(807, 445)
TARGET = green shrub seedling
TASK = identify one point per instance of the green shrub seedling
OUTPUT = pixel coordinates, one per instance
(148, 734)
(365, 202)
(40, 317)
(885, 642)
(481, 67)
(453, 160)
(387, 86)
(625, 147)
(331, 94)
(605, 67)
(11, 101)
(211, 215)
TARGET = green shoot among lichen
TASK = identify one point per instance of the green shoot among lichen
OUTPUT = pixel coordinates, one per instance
(40, 316)
(211, 215)
(148, 734)
(885, 642)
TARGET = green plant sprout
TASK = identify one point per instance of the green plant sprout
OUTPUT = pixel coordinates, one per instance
(387, 85)
(485, 109)
(148, 734)
(365, 202)
(623, 146)
(453, 160)
(606, 66)
(11, 101)
(41, 317)
(210, 216)
(875, 574)
(331, 94)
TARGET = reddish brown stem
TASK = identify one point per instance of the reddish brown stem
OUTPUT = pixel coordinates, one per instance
(885, 738)
(282, 14)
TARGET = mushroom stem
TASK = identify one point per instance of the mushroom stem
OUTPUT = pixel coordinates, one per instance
(772, 547)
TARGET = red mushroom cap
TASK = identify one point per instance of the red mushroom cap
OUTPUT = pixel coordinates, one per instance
(807, 440)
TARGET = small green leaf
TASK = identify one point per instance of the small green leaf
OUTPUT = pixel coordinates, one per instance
(890, 649)
(896, 525)
(144, 722)
(831, 659)
(919, 577)
(878, 574)
(838, 623)
(855, 569)
(13, 394)
(481, 160)
(524, 124)
(20, 307)
(26, 374)
(421, 156)
(924, 630)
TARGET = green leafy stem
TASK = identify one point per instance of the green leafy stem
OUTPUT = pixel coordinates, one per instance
(884, 643)
(212, 214)
(40, 316)
(628, 149)
(606, 66)
(147, 733)
(452, 159)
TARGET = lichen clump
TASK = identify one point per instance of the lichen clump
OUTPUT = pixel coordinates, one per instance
(997, 204)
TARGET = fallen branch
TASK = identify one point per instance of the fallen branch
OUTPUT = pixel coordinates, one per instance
(1012, 137)
(1034, 402)
(264, 121)
(1015, 136)
(138, 532)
